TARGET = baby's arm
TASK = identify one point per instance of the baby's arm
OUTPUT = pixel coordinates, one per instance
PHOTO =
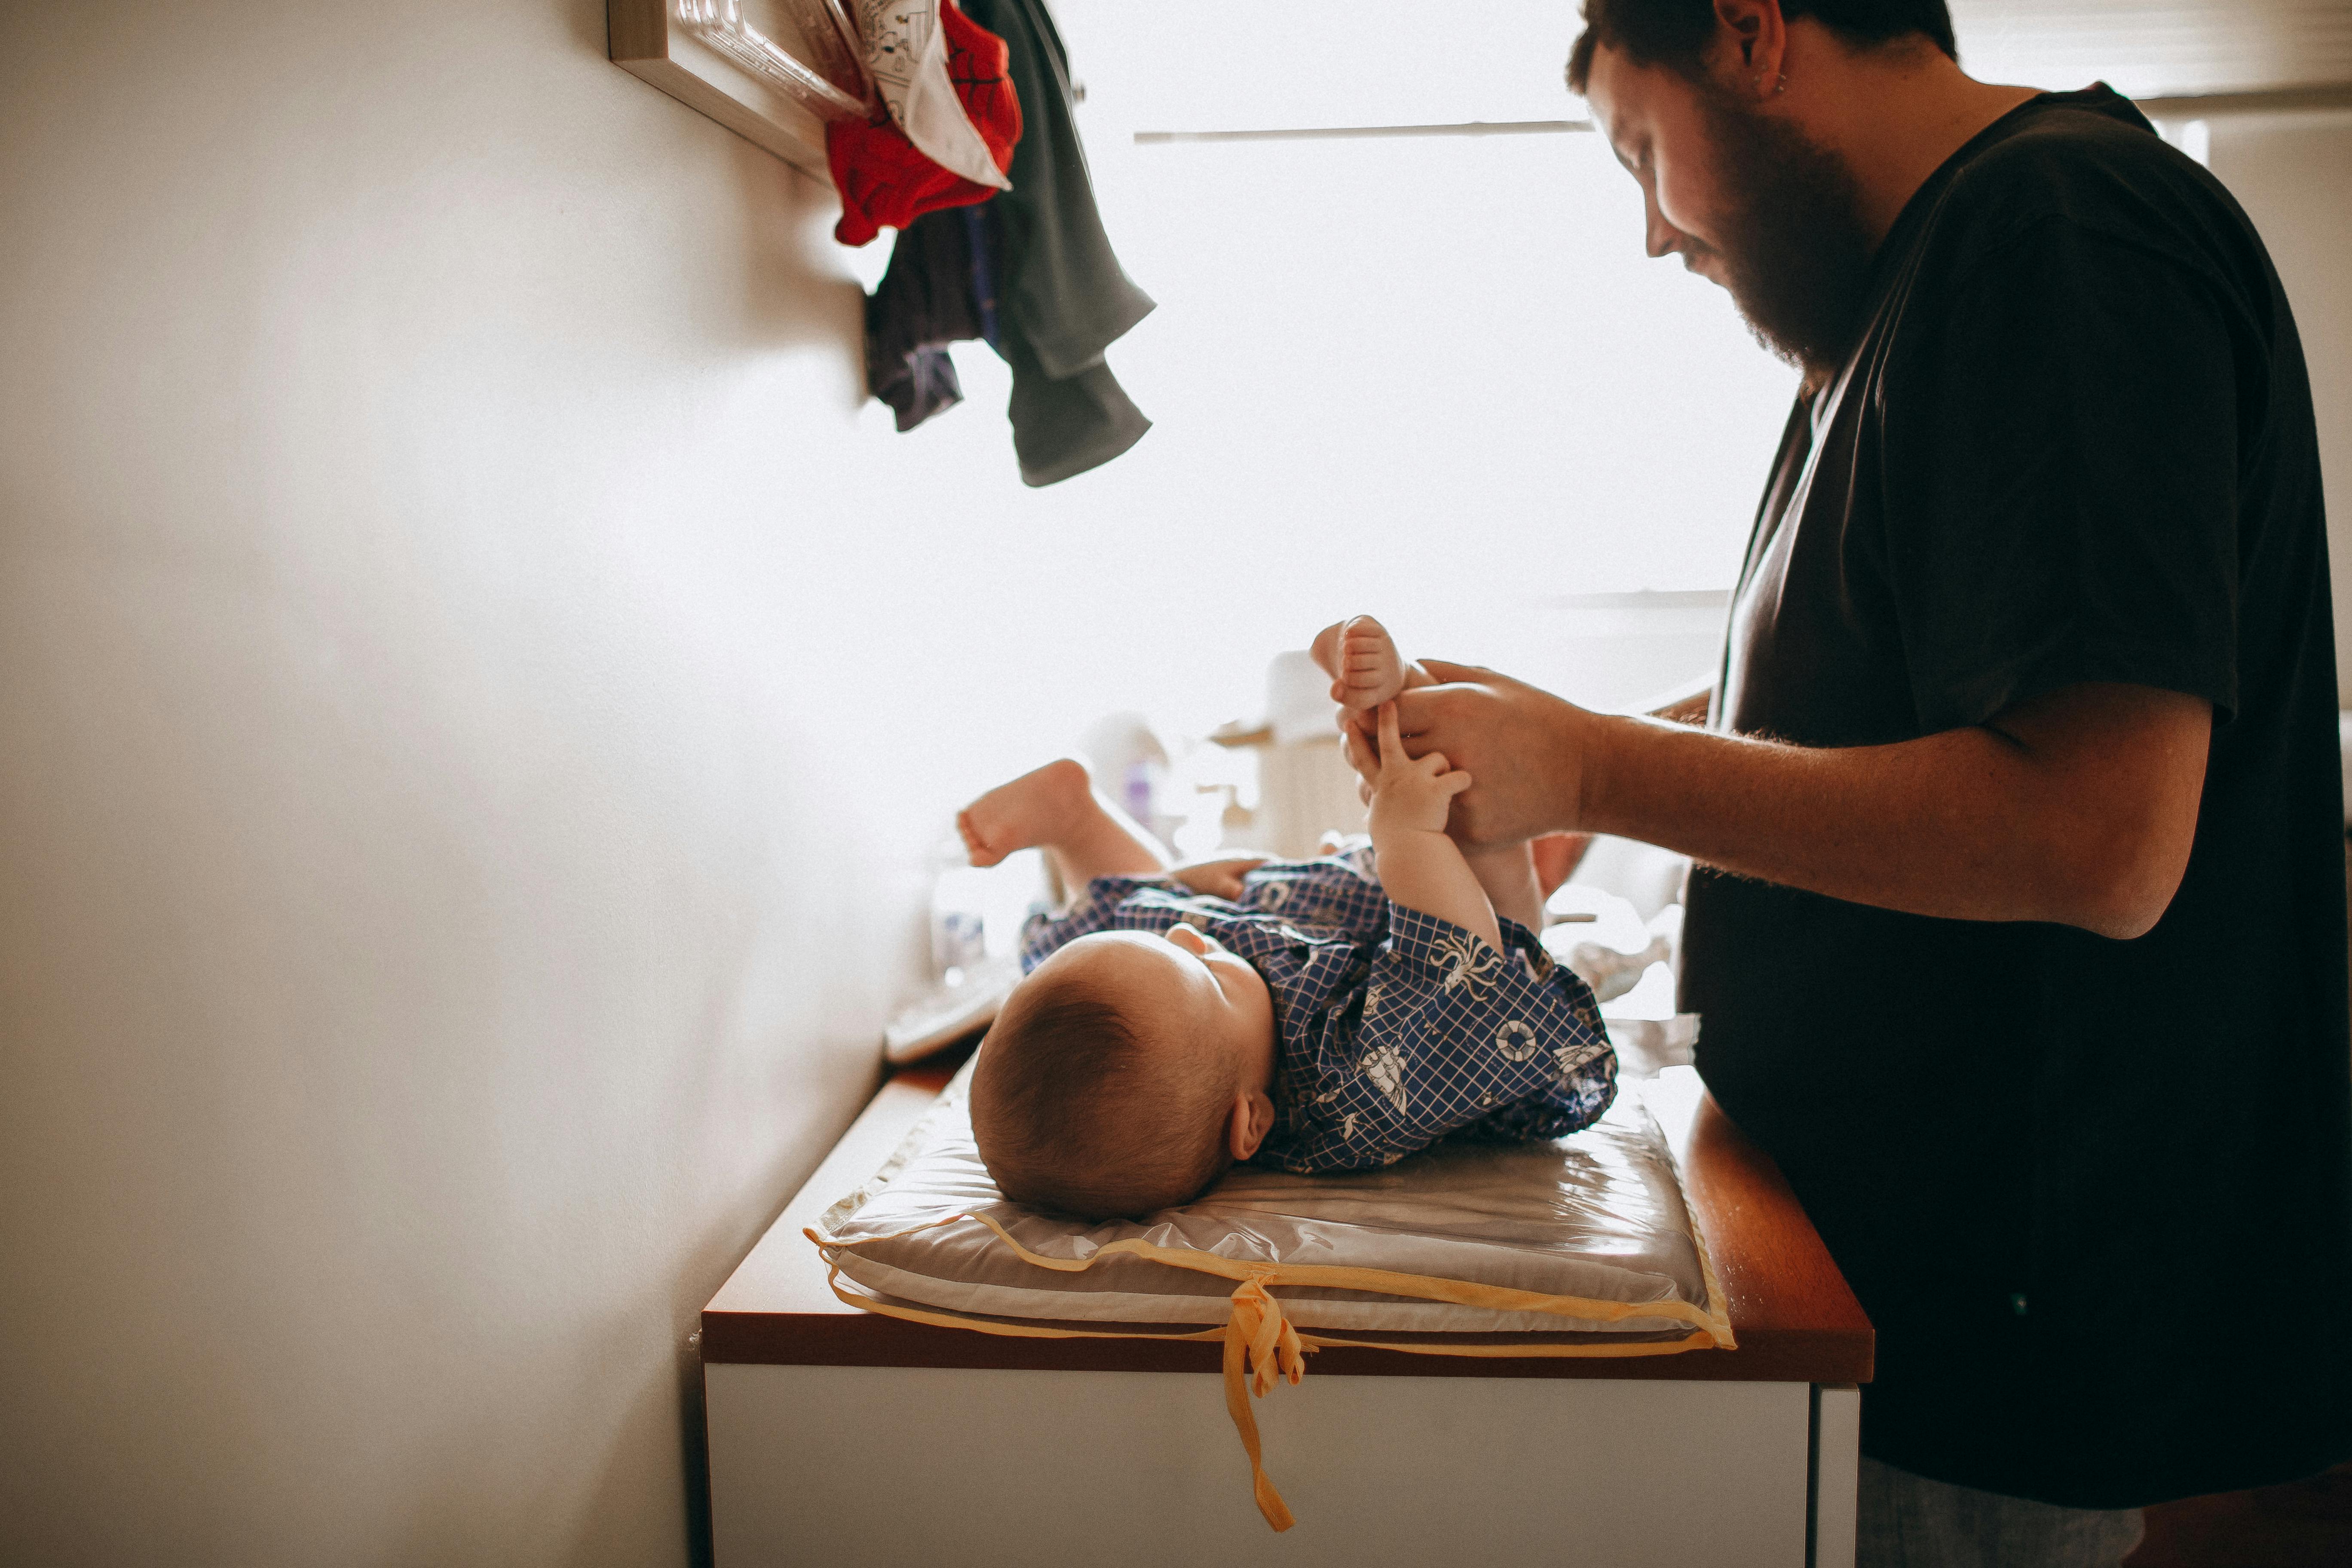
(1365, 668)
(1421, 868)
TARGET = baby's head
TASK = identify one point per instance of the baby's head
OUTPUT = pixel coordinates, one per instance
(1126, 1074)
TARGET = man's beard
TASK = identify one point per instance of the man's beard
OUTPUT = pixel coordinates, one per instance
(1796, 256)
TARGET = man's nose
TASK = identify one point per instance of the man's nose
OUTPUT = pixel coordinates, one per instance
(1664, 238)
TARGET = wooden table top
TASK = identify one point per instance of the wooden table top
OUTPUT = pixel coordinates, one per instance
(1794, 1318)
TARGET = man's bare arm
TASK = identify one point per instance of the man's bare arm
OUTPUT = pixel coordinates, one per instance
(2078, 806)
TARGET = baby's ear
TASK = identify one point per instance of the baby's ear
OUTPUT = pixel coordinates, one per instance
(1253, 1119)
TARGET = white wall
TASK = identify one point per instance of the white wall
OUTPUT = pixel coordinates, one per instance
(468, 733)
(2293, 174)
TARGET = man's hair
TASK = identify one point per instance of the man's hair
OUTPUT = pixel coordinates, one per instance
(1675, 33)
(1076, 1107)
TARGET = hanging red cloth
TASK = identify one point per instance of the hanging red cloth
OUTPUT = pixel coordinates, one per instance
(885, 180)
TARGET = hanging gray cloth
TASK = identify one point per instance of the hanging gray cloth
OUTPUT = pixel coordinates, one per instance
(1062, 296)
(1064, 425)
(1061, 283)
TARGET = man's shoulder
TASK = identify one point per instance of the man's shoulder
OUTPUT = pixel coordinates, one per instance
(2071, 200)
(2085, 162)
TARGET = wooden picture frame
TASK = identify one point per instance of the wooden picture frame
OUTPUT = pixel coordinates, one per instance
(772, 72)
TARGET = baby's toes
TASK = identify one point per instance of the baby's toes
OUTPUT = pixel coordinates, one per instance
(975, 844)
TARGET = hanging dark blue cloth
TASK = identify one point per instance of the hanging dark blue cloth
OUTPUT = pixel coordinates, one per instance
(979, 225)
(923, 303)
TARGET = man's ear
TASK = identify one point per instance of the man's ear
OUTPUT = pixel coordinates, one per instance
(1252, 1119)
(1759, 34)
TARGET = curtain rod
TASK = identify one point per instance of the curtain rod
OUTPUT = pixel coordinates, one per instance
(2267, 100)
(1342, 132)
(2176, 106)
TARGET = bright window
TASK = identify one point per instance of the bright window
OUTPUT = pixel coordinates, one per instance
(1435, 377)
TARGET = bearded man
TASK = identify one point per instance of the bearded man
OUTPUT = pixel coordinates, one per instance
(2017, 927)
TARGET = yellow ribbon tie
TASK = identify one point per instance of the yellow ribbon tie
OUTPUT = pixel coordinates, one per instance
(1258, 1333)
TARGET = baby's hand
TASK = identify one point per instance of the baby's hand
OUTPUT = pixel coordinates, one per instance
(1412, 795)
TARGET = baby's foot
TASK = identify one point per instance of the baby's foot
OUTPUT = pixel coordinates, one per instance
(1025, 813)
(1370, 670)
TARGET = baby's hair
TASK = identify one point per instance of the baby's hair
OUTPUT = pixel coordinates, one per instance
(1076, 1107)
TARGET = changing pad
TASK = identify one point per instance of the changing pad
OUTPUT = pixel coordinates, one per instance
(1581, 1246)
(1594, 1223)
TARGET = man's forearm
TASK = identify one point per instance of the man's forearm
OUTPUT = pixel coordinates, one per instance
(1971, 824)
(2079, 806)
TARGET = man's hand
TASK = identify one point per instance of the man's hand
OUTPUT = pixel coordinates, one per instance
(1524, 746)
(1221, 878)
(1410, 794)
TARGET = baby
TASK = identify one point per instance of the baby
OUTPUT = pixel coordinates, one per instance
(1328, 1015)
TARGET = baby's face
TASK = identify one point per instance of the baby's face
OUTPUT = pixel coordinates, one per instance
(1206, 993)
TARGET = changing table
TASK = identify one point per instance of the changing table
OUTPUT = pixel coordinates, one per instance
(837, 1436)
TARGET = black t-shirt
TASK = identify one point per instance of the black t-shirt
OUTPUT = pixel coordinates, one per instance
(2095, 1195)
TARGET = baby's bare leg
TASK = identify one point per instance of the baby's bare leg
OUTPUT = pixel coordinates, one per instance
(1509, 875)
(1056, 808)
(1556, 857)
(1362, 660)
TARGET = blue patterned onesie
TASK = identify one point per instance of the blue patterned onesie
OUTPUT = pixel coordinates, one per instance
(1396, 1028)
